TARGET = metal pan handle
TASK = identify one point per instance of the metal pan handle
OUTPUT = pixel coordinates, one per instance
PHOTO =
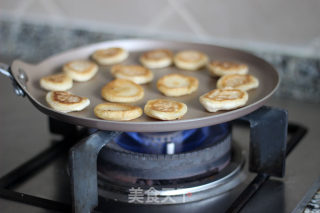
(5, 70)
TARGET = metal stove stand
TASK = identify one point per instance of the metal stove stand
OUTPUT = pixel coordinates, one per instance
(263, 121)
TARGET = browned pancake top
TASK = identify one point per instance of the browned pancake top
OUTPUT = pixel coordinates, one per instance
(122, 87)
(236, 80)
(157, 55)
(80, 66)
(110, 52)
(190, 56)
(224, 94)
(130, 70)
(174, 80)
(163, 105)
(226, 66)
(66, 97)
(57, 78)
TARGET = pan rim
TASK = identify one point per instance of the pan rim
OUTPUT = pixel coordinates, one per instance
(143, 126)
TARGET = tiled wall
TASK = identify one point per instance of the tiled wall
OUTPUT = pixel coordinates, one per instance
(285, 26)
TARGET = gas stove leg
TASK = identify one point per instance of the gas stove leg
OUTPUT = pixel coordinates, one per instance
(268, 137)
(83, 170)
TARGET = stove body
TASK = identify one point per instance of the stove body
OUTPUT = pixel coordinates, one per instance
(218, 185)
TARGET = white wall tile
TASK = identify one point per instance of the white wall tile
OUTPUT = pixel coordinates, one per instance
(280, 24)
(127, 13)
(286, 22)
(9, 4)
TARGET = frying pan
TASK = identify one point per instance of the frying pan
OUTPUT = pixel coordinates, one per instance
(26, 78)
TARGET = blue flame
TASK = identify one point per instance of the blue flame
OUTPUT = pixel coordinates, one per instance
(184, 141)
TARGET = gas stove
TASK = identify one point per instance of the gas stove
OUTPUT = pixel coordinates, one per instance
(198, 170)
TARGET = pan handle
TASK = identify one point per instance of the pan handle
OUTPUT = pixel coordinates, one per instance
(5, 70)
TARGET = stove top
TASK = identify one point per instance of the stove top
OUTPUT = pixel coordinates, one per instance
(50, 181)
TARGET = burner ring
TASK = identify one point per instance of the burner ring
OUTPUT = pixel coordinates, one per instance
(129, 166)
(200, 187)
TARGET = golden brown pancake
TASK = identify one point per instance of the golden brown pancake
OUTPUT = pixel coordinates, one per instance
(110, 56)
(66, 102)
(221, 68)
(177, 84)
(223, 99)
(80, 70)
(236, 81)
(190, 60)
(164, 109)
(122, 90)
(56, 82)
(135, 73)
(117, 111)
(158, 58)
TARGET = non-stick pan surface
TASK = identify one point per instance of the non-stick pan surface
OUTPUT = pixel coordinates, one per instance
(196, 116)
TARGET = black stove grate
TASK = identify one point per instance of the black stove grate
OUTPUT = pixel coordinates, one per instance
(297, 132)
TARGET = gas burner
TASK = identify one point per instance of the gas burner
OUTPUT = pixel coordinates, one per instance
(211, 155)
(211, 167)
(117, 187)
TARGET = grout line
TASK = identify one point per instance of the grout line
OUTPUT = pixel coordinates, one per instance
(188, 18)
(53, 10)
(164, 15)
(22, 8)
